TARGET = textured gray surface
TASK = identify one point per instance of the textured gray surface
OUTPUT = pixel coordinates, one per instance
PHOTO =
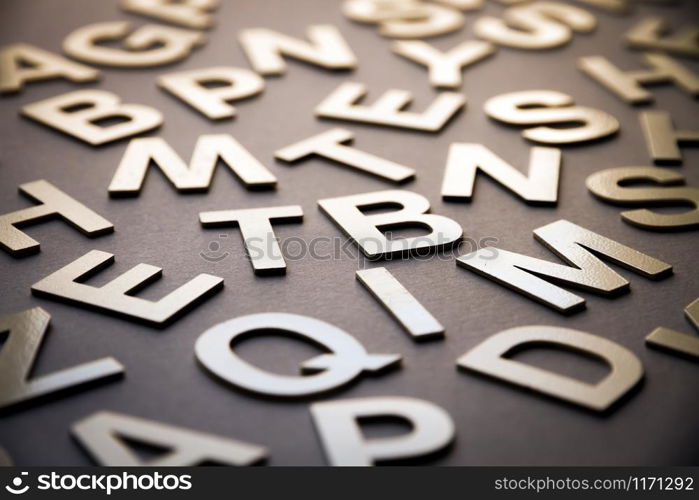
(496, 424)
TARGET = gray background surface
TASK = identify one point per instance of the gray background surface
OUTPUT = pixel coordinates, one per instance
(496, 424)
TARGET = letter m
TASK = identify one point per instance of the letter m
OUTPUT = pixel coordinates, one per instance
(582, 250)
(141, 153)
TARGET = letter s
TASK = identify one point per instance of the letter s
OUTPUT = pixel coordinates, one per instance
(44, 483)
(185, 483)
